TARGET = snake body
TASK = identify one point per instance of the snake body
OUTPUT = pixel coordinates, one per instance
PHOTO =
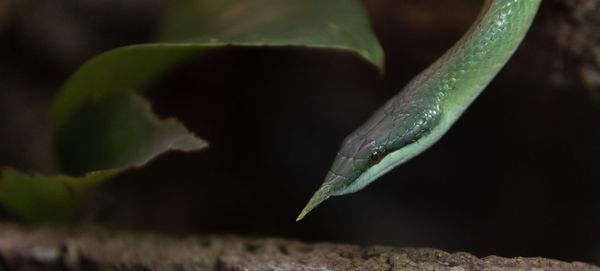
(421, 113)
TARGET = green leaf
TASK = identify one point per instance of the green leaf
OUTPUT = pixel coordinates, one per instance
(125, 132)
(36, 198)
(120, 131)
(195, 27)
(103, 125)
(332, 24)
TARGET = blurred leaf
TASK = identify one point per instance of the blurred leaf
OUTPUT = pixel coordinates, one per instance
(332, 24)
(120, 131)
(124, 131)
(199, 26)
(38, 198)
(101, 123)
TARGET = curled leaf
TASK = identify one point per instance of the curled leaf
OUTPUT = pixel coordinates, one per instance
(103, 125)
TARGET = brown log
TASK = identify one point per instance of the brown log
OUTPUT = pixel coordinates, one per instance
(94, 248)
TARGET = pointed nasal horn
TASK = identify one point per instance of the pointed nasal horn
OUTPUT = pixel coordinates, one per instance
(327, 189)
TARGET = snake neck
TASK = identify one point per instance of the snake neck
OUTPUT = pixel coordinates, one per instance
(452, 82)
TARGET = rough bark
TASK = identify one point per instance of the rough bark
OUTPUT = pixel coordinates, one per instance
(574, 28)
(101, 249)
(562, 48)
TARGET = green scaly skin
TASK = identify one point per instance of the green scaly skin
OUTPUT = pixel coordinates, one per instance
(420, 114)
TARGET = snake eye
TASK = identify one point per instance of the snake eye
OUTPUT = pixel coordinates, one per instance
(375, 157)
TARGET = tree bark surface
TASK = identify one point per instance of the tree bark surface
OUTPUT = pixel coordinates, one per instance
(101, 249)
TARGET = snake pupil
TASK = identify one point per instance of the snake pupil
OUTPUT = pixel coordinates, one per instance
(375, 157)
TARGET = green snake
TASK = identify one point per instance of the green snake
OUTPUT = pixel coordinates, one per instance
(421, 113)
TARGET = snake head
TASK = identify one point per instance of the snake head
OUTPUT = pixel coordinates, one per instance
(386, 140)
(357, 155)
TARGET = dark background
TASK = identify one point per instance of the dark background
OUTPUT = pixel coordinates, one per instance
(518, 175)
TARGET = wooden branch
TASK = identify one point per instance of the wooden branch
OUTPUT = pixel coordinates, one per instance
(101, 249)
